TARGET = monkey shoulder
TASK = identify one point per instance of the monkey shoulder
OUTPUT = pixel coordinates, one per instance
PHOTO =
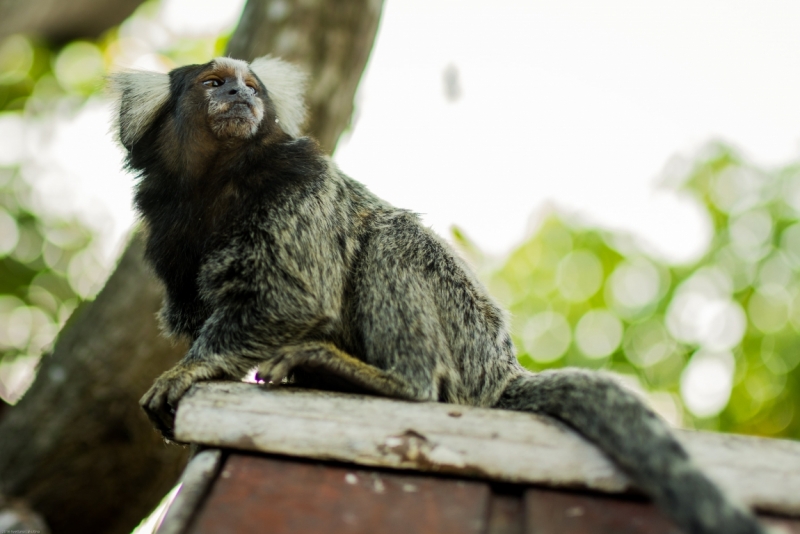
(302, 238)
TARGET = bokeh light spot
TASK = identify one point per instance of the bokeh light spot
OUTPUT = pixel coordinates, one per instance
(16, 59)
(9, 234)
(750, 234)
(19, 327)
(16, 377)
(8, 305)
(546, 336)
(579, 275)
(79, 67)
(775, 271)
(648, 343)
(716, 324)
(633, 285)
(739, 272)
(703, 313)
(735, 189)
(790, 244)
(12, 133)
(29, 244)
(707, 381)
(791, 191)
(763, 387)
(598, 333)
(86, 274)
(769, 308)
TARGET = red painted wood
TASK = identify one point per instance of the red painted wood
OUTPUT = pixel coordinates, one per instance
(505, 514)
(790, 526)
(560, 512)
(285, 496)
(262, 494)
(556, 512)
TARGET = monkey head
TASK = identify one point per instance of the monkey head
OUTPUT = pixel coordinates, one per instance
(196, 109)
(234, 98)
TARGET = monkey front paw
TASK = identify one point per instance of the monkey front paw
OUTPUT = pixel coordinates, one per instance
(161, 400)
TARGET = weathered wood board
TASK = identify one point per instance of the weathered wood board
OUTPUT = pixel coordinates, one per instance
(494, 444)
(549, 511)
(195, 482)
(258, 494)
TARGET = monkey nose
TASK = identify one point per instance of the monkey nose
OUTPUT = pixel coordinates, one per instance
(238, 89)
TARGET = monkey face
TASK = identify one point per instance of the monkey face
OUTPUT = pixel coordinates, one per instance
(183, 118)
(235, 98)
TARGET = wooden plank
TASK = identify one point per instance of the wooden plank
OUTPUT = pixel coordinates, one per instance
(503, 445)
(781, 525)
(281, 496)
(195, 481)
(763, 473)
(554, 511)
(505, 514)
(495, 444)
(549, 511)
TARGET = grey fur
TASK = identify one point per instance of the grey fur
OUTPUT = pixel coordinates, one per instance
(331, 286)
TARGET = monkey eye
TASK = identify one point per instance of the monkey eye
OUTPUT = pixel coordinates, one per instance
(213, 82)
(253, 88)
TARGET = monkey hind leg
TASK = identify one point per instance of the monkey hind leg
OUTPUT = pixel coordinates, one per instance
(635, 439)
(320, 358)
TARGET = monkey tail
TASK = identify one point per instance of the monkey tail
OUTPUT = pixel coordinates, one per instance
(635, 439)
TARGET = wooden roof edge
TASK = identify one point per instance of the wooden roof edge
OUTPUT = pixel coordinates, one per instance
(491, 444)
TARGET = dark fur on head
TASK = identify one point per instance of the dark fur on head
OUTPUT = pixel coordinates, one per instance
(272, 257)
(200, 163)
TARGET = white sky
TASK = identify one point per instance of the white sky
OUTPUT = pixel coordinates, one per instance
(573, 103)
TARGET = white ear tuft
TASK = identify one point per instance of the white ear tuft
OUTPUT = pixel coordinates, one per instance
(286, 86)
(138, 97)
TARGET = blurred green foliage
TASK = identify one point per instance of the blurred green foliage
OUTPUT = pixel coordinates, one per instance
(713, 344)
(37, 250)
(47, 263)
(36, 297)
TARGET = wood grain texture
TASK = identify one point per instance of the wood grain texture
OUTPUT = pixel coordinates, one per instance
(551, 511)
(495, 444)
(501, 445)
(258, 494)
(505, 514)
(282, 495)
(195, 483)
(548, 511)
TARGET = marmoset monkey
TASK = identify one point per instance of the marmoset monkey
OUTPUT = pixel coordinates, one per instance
(273, 258)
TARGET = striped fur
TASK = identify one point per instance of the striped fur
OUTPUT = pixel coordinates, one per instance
(273, 258)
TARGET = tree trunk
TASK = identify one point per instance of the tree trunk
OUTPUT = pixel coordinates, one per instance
(330, 40)
(77, 448)
(60, 21)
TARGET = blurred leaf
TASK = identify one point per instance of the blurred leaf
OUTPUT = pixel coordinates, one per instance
(36, 295)
(719, 336)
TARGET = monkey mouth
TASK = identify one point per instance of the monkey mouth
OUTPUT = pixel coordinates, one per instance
(237, 120)
(238, 110)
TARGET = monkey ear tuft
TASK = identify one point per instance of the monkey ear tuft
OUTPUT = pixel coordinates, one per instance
(286, 86)
(138, 97)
